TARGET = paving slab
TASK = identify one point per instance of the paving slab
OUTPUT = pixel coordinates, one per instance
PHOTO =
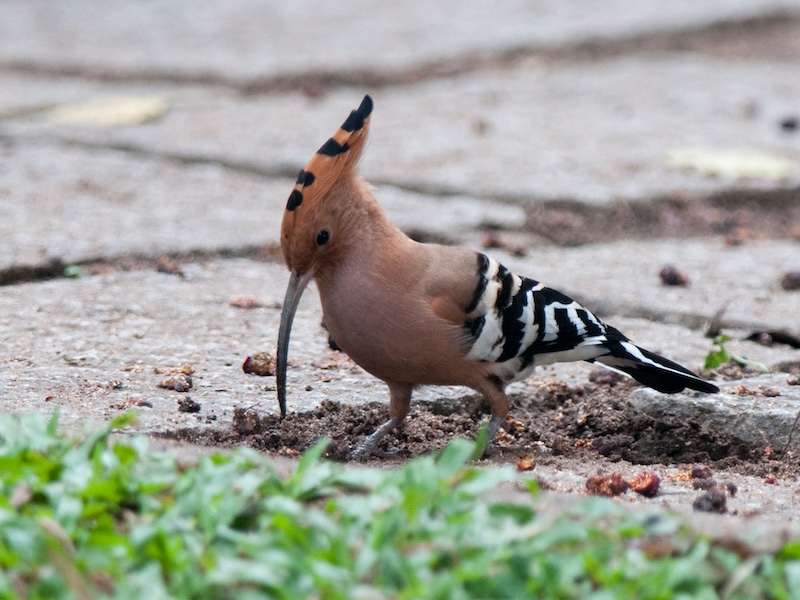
(248, 39)
(94, 342)
(478, 118)
(96, 346)
(759, 410)
(623, 278)
(78, 204)
(585, 132)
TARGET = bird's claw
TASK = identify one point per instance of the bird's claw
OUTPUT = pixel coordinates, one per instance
(367, 450)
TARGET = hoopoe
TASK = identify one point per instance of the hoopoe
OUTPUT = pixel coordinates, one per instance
(417, 314)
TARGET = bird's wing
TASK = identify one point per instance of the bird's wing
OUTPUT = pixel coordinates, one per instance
(522, 323)
(512, 317)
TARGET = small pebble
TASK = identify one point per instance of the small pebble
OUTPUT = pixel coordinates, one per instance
(701, 472)
(672, 276)
(791, 281)
(178, 383)
(526, 463)
(790, 124)
(261, 363)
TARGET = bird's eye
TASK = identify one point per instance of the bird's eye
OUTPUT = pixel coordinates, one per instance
(323, 237)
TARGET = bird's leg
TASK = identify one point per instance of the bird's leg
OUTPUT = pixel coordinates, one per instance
(399, 403)
(498, 402)
(369, 447)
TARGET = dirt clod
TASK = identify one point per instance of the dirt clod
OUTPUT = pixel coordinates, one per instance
(187, 405)
(701, 472)
(246, 422)
(714, 500)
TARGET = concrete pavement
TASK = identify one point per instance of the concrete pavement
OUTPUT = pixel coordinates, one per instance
(486, 114)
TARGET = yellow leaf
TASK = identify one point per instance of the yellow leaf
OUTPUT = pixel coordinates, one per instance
(107, 112)
(743, 163)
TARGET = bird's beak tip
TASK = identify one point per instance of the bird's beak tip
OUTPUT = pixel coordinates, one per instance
(294, 290)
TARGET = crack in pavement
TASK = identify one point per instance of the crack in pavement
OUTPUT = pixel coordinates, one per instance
(170, 262)
(315, 82)
(730, 198)
(167, 262)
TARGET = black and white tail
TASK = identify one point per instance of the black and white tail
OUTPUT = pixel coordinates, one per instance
(520, 324)
(648, 368)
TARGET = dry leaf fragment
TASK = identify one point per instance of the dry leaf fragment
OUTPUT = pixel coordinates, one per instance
(249, 302)
(526, 463)
(645, 483)
(606, 485)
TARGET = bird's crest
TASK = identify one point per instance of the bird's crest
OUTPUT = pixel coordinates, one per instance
(335, 157)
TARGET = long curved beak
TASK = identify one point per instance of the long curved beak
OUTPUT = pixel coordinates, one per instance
(297, 284)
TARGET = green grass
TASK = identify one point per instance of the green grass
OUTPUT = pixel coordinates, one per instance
(87, 517)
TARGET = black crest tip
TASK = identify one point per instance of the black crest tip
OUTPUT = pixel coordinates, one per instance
(295, 200)
(365, 109)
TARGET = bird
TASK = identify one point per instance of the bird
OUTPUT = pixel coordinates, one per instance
(415, 314)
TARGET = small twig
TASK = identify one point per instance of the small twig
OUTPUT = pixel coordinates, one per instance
(791, 432)
(714, 326)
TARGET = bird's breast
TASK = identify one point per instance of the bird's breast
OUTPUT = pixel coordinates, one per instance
(390, 330)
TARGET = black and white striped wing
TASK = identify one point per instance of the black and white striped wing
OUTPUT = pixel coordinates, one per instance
(521, 324)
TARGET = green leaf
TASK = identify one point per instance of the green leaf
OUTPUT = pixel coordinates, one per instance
(91, 514)
(73, 271)
(454, 457)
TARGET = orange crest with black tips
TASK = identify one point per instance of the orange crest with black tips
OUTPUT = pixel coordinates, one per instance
(335, 159)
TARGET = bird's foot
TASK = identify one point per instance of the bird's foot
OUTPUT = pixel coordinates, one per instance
(370, 448)
(492, 428)
(366, 451)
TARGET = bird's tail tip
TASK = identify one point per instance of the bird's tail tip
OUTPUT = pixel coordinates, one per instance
(653, 370)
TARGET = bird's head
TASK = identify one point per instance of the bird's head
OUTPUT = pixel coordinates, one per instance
(314, 225)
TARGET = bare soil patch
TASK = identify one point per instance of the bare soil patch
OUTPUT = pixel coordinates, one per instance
(590, 421)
